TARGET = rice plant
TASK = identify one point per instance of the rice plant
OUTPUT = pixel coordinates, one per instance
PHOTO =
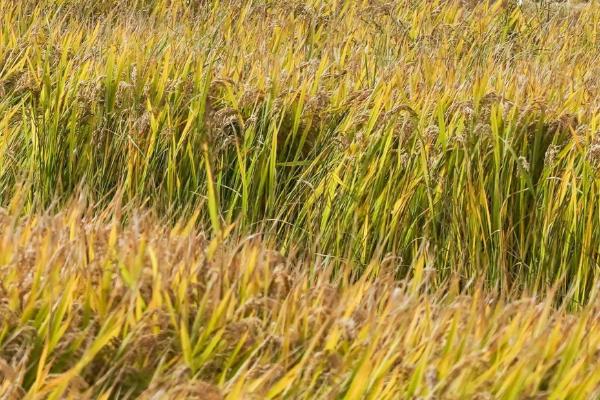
(299, 199)
(93, 308)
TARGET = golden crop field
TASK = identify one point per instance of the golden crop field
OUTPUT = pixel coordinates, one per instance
(322, 199)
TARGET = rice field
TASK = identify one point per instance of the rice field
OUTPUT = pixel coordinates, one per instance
(323, 199)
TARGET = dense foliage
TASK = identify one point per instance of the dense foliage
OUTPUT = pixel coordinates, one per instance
(393, 155)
